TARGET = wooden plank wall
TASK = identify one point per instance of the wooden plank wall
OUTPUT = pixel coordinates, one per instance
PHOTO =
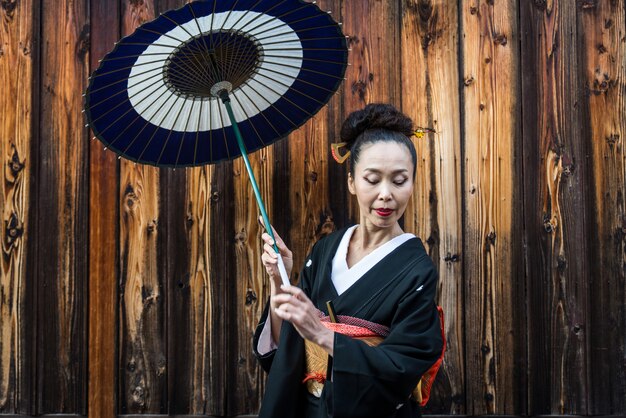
(127, 289)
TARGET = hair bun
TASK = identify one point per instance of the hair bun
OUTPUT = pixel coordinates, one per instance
(375, 116)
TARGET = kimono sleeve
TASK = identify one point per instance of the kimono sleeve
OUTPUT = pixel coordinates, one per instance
(304, 281)
(375, 381)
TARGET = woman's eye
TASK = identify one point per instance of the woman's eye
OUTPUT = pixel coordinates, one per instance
(399, 182)
(371, 180)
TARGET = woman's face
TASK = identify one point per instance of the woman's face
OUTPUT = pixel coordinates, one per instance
(382, 183)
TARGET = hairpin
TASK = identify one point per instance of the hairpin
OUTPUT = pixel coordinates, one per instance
(334, 150)
(420, 132)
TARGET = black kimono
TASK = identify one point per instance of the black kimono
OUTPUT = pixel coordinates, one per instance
(363, 381)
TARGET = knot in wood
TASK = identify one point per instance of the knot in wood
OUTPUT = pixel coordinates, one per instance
(14, 229)
(313, 176)
(469, 80)
(138, 396)
(9, 7)
(240, 237)
(473, 10)
(359, 87)
(215, 196)
(588, 4)
(152, 226)
(452, 258)
(542, 5)
(577, 328)
(500, 39)
(15, 165)
(250, 297)
(612, 139)
(131, 366)
(548, 223)
(561, 263)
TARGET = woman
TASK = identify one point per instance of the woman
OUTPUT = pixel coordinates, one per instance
(374, 274)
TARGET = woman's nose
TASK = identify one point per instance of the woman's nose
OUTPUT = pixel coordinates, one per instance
(384, 193)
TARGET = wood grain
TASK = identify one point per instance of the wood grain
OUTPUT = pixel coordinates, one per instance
(604, 57)
(374, 75)
(196, 385)
(248, 286)
(16, 119)
(556, 227)
(62, 212)
(494, 300)
(143, 383)
(104, 184)
(430, 85)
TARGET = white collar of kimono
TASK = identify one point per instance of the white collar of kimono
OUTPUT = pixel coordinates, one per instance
(343, 277)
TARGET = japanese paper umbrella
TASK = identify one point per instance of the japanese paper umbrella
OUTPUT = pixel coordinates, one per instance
(214, 80)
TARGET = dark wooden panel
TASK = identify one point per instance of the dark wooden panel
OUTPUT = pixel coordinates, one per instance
(103, 237)
(374, 76)
(603, 53)
(174, 274)
(62, 211)
(195, 337)
(143, 357)
(248, 287)
(429, 39)
(222, 277)
(494, 303)
(556, 228)
(17, 33)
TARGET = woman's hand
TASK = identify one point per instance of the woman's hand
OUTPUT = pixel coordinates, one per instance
(270, 261)
(294, 306)
(270, 258)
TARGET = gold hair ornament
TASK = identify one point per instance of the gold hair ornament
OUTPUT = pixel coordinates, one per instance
(420, 132)
(334, 150)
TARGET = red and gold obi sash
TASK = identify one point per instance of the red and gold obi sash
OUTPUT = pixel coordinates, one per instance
(371, 334)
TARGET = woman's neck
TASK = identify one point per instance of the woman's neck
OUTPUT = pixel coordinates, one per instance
(369, 237)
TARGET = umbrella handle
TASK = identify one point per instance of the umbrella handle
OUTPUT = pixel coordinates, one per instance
(223, 94)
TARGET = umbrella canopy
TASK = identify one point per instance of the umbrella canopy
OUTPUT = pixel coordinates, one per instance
(155, 98)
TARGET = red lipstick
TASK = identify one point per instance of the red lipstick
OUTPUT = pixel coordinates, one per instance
(384, 212)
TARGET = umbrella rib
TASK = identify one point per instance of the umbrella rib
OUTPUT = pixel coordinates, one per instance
(121, 80)
(159, 125)
(248, 118)
(246, 12)
(299, 58)
(284, 97)
(96, 75)
(206, 47)
(259, 112)
(306, 69)
(279, 18)
(123, 102)
(182, 27)
(180, 145)
(272, 104)
(182, 51)
(130, 124)
(291, 88)
(219, 109)
(108, 59)
(250, 48)
(180, 111)
(299, 80)
(300, 39)
(301, 31)
(195, 147)
(227, 50)
(265, 13)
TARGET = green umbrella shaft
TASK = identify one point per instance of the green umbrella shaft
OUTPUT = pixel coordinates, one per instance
(244, 154)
